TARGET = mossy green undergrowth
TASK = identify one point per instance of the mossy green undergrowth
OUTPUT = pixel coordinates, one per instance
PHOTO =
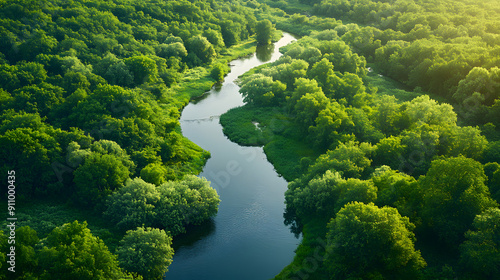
(272, 128)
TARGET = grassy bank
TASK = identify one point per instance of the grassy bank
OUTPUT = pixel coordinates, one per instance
(197, 81)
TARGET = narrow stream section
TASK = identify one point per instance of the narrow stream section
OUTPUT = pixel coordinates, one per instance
(247, 240)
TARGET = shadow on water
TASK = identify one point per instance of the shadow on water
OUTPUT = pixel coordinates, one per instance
(265, 52)
(247, 240)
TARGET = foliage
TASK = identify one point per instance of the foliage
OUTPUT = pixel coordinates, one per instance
(218, 72)
(441, 47)
(337, 103)
(71, 251)
(359, 228)
(326, 195)
(133, 205)
(262, 90)
(98, 177)
(480, 251)
(173, 205)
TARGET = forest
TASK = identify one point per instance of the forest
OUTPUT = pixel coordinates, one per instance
(91, 94)
(383, 118)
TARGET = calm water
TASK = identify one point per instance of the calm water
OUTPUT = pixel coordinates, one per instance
(247, 240)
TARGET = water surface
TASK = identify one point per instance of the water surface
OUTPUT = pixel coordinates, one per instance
(247, 240)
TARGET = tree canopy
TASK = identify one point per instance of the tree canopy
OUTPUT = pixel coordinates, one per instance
(146, 251)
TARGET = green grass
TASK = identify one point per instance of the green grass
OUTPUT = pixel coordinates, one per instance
(43, 215)
(388, 86)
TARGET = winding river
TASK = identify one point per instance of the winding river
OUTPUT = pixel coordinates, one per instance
(247, 240)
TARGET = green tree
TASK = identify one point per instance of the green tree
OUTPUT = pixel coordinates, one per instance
(388, 115)
(114, 70)
(218, 72)
(146, 251)
(390, 152)
(324, 196)
(453, 192)
(26, 259)
(347, 86)
(264, 32)
(40, 98)
(395, 189)
(214, 37)
(155, 173)
(466, 141)
(308, 108)
(174, 49)
(190, 201)
(287, 71)
(423, 109)
(492, 170)
(30, 73)
(108, 147)
(481, 250)
(262, 90)
(35, 44)
(29, 151)
(330, 126)
(302, 86)
(202, 49)
(72, 252)
(351, 159)
(4, 246)
(230, 32)
(478, 81)
(367, 242)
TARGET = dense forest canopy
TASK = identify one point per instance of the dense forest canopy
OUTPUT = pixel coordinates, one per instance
(387, 177)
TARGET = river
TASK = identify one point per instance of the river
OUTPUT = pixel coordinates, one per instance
(247, 240)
